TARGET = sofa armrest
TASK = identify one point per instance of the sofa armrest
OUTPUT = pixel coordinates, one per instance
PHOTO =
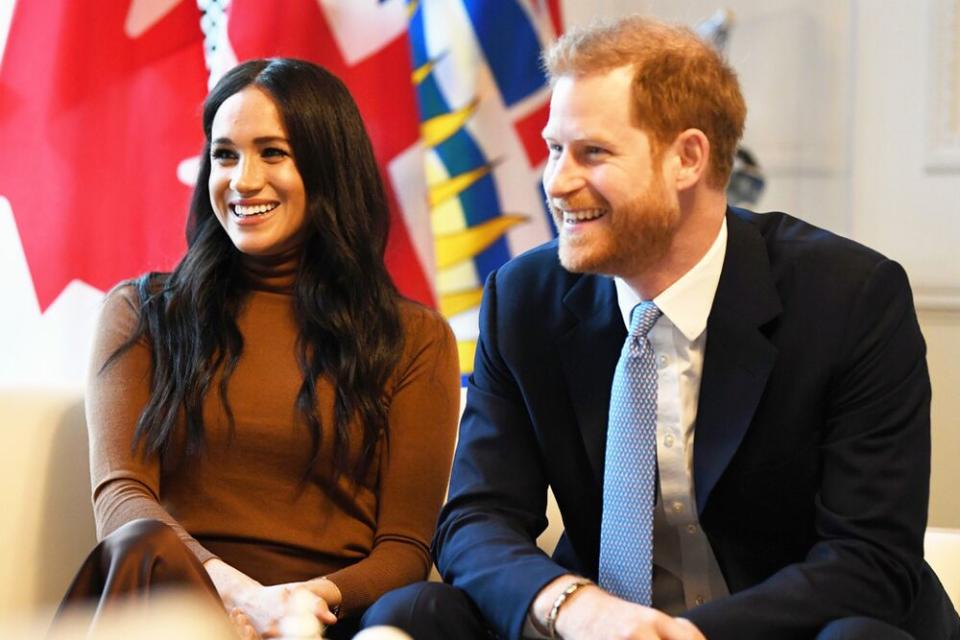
(46, 517)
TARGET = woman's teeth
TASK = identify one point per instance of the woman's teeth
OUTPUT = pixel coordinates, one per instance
(244, 211)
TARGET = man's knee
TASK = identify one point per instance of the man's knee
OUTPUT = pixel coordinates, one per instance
(428, 610)
(861, 628)
(413, 602)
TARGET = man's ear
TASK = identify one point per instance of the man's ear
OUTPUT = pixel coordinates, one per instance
(691, 155)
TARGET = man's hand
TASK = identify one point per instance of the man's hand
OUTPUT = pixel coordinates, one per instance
(591, 612)
(597, 614)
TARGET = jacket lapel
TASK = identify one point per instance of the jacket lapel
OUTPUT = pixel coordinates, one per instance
(589, 350)
(738, 357)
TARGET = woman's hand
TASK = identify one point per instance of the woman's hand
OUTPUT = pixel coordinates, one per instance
(326, 590)
(267, 607)
(243, 625)
(264, 607)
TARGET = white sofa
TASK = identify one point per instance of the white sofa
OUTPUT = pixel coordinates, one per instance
(942, 550)
(46, 521)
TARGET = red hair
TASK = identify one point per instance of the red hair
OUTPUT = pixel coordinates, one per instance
(679, 82)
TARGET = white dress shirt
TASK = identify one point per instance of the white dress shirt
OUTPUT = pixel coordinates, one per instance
(685, 571)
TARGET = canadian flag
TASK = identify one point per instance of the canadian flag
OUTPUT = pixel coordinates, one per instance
(100, 123)
(98, 108)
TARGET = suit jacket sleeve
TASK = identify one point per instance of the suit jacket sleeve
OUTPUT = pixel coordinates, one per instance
(486, 538)
(874, 468)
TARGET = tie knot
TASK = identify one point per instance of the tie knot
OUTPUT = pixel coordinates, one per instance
(642, 318)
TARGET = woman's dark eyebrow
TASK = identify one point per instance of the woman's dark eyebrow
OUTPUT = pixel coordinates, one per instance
(260, 140)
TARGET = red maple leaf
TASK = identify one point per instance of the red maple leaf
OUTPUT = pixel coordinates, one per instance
(94, 124)
(380, 84)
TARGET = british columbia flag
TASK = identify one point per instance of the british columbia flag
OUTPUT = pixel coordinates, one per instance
(100, 118)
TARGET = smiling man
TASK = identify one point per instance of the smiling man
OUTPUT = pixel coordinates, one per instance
(731, 408)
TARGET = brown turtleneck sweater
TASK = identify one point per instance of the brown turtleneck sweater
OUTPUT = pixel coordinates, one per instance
(242, 499)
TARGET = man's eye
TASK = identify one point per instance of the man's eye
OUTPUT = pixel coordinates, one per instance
(554, 148)
(593, 151)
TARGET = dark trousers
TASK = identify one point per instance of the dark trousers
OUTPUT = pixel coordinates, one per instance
(434, 611)
(430, 611)
(141, 559)
(861, 629)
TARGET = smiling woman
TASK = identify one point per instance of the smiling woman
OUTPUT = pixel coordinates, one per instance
(255, 188)
(271, 422)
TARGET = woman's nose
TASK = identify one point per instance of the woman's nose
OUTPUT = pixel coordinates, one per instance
(247, 176)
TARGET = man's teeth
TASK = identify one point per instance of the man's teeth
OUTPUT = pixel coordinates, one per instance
(243, 210)
(582, 216)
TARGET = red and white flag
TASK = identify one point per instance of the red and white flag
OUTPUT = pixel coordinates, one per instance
(100, 123)
(98, 109)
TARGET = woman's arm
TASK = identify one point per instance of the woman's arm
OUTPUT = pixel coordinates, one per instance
(415, 468)
(126, 486)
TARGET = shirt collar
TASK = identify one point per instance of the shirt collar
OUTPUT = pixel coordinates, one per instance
(687, 302)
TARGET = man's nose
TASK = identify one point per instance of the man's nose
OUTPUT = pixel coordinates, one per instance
(562, 176)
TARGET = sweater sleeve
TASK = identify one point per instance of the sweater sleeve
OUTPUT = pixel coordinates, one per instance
(126, 485)
(415, 467)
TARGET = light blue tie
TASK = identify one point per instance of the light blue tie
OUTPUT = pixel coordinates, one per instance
(630, 467)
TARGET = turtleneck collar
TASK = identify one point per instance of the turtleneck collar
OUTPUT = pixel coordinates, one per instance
(274, 273)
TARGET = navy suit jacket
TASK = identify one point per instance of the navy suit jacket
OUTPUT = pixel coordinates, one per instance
(811, 448)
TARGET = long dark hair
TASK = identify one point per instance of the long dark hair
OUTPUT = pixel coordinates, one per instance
(344, 300)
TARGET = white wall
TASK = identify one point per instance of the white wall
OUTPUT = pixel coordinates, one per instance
(798, 105)
(841, 95)
(906, 210)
